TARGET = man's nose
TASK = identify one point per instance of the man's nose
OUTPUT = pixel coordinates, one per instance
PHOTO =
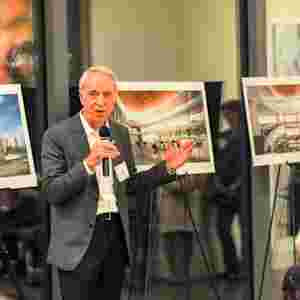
(100, 100)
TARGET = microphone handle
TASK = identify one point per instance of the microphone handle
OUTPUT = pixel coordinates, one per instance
(105, 167)
(105, 161)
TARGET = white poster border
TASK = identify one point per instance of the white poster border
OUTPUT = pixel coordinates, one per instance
(267, 158)
(189, 167)
(27, 180)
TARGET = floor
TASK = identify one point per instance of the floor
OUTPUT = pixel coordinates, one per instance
(163, 288)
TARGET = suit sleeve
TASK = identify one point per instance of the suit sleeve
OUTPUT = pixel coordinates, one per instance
(60, 182)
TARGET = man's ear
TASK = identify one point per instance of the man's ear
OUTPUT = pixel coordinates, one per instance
(116, 96)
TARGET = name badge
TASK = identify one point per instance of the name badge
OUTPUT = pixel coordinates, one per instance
(122, 171)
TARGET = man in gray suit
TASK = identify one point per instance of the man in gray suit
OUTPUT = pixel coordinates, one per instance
(89, 241)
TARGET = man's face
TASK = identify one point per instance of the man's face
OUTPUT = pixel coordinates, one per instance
(98, 97)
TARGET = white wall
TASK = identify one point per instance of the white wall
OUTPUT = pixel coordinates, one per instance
(167, 40)
(212, 51)
(286, 9)
(138, 39)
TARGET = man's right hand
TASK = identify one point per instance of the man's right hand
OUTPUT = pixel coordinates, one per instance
(101, 148)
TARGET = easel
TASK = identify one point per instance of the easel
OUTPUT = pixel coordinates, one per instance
(209, 268)
(270, 226)
(6, 257)
(201, 243)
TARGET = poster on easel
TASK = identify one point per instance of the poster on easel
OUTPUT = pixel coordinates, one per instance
(16, 161)
(273, 117)
(162, 113)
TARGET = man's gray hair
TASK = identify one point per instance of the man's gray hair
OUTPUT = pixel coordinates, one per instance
(96, 69)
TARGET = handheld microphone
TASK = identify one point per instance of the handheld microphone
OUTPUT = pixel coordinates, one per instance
(105, 133)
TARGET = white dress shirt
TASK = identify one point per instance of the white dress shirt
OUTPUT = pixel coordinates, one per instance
(107, 199)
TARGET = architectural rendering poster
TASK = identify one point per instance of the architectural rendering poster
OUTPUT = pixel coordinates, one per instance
(273, 116)
(16, 42)
(284, 47)
(159, 113)
(16, 162)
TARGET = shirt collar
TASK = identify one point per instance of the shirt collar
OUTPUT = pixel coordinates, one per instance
(87, 128)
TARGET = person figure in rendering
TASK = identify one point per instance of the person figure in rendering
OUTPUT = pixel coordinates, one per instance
(90, 239)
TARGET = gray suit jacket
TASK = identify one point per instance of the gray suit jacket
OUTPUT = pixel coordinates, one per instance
(73, 194)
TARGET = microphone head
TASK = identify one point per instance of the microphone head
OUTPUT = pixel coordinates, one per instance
(104, 131)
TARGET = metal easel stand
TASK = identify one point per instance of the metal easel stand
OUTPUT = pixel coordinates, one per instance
(269, 234)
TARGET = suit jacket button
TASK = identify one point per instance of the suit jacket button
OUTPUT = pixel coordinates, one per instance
(91, 225)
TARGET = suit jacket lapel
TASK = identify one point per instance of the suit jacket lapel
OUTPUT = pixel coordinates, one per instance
(80, 140)
(117, 138)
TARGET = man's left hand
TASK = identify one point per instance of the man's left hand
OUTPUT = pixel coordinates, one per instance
(176, 156)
